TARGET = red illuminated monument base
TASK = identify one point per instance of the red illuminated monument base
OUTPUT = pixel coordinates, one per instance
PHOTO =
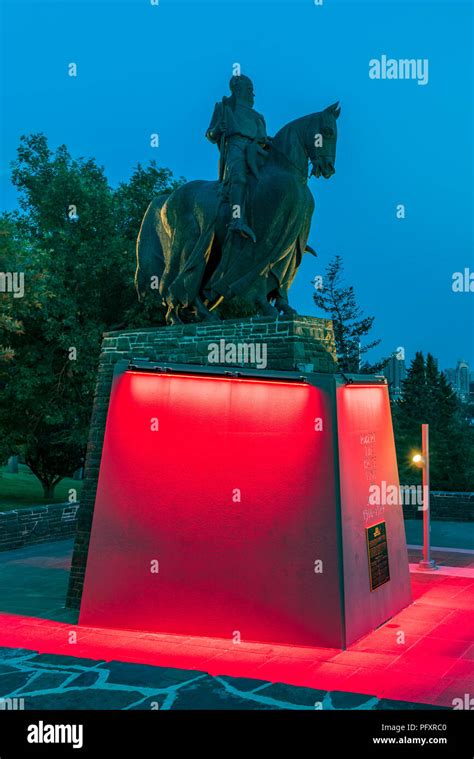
(243, 507)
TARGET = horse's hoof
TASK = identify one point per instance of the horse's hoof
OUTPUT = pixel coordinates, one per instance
(204, 313)
(288, 311)
(284, 307)
(266, 310)
(173, 319)
(208, 316)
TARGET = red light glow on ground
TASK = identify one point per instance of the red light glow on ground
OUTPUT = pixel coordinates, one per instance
(434, 665)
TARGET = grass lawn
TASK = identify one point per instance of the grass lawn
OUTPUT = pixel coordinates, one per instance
(24, 489)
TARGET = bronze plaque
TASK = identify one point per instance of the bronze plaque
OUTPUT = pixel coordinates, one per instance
(377, 549)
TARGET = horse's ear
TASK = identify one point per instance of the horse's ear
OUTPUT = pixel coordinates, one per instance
(334, 109)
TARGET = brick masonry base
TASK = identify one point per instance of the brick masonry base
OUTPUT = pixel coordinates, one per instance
(300, 342)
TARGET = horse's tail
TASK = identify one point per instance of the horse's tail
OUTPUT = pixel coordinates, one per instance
(150, 258)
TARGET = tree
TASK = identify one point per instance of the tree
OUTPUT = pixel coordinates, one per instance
(133, 197)
(9, 242)
(9, 325)
(427, 398)
(349, 324)
(73, 238)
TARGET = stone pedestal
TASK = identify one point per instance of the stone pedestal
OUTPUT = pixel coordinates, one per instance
(246, 501)
(298, 343)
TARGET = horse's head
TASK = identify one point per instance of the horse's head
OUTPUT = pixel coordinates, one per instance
(320, 141)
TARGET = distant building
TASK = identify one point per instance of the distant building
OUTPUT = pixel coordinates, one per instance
(395, 372)
(451, 376)
(459, 379)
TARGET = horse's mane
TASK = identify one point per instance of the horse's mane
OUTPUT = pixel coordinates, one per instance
(290, 140)
(286, 135)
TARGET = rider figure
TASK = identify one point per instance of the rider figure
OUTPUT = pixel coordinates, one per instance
(241, 135)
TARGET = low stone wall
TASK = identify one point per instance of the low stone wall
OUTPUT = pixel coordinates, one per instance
(446, 507)
(37, 524)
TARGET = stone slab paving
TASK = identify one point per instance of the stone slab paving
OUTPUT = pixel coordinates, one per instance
(30, 681)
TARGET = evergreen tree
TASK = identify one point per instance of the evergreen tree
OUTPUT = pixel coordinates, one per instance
(349, 324)
(427, 398)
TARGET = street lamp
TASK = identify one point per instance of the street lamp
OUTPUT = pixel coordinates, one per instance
(422, 460)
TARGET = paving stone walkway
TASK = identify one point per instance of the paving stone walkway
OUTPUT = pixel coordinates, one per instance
(29, 680)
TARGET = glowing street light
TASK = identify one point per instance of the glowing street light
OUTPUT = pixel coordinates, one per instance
(422, 460)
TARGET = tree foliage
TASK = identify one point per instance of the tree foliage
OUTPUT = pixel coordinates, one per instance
(73, 238)
(427, 398)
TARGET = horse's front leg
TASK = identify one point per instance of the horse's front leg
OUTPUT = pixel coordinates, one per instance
(202, 312)
(283, 307)
(265, 308)
(262, 303)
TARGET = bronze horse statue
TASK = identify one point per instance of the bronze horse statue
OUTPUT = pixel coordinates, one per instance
(185, 248)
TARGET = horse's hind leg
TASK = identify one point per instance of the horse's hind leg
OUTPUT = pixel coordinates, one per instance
(172, 314)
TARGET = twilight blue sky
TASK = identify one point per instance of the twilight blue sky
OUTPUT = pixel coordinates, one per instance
(145, 69)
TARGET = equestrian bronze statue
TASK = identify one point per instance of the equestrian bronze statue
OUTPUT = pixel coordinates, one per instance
(244, 235)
